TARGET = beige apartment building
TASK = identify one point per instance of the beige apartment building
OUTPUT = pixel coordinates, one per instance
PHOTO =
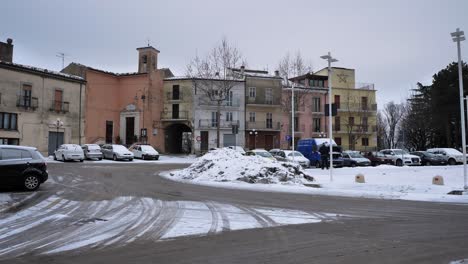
(38, 107)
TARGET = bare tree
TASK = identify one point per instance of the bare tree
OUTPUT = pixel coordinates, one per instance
(381, 131)
(291, 66)
(211, 75)
(392, 115)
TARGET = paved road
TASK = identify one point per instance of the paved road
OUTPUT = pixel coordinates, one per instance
(126, 213)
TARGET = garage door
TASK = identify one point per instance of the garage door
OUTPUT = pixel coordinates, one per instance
(229, 140)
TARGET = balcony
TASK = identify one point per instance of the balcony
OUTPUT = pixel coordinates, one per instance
(208, 103)
(262, 101)
(59, 106)
(209, 123)
(170, 96)
(180, 115)
(356, 107)
(27, 102)
(361, 129)
(263, 125)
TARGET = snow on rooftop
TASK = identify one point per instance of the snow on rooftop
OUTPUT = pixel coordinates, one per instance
(43, 70)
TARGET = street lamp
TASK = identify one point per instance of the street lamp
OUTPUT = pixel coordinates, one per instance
(457, 37)
(253, 132)
(330, 59)
(58, 124)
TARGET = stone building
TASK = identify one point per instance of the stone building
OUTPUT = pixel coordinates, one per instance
(39, 107)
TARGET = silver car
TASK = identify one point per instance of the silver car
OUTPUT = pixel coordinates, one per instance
(92, 151)
(116, 152)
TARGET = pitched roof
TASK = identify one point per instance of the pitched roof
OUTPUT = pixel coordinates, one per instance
(41, 71)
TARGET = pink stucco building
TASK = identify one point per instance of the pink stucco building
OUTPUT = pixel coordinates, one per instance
(124, 108)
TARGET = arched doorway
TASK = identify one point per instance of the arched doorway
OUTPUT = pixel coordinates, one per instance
(178, 139)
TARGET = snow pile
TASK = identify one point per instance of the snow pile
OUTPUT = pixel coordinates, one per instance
(227, 165)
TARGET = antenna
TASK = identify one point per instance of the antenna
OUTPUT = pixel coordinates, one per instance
(62, 56)
(148, 40)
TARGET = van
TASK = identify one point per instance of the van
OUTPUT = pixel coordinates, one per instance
(309, 148)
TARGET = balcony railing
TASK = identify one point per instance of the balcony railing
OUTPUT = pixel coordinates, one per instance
(355, 128)
(27, 102)
(209, 103)
(180, 115)
(171, 96)
(210, 123)
(59, 106)
(263, 125)
(356, 107)
(262, 101)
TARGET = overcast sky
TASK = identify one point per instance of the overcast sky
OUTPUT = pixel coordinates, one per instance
(393, 44)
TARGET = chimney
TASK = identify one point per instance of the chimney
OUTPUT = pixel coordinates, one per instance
(242, 69)
(6, 51)
(277, 73)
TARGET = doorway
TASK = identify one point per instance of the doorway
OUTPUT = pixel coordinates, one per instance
(204, 141)
(130, 130)
(109, 131)
(268, 142)
(55, 140)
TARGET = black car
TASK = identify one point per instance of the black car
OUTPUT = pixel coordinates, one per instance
(22, 167)
(428, 158)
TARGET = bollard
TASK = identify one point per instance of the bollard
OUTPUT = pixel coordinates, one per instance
(438, 180)
(360, 178)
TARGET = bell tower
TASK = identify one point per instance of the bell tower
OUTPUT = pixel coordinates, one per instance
(147, 59)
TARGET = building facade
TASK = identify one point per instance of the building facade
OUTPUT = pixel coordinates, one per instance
(124, 108)
(38, 107)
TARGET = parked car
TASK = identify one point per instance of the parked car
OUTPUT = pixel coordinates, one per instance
(453, 156)
(400, 157)
(290, 156)
(376, 158)
(144, 151)
(354, 158)
(428, 158)
(308, 147)
(68, 152)
(238, 149)
(92, 151)
(338, 161)
(116, 152)
(260, 152)
(22, 167)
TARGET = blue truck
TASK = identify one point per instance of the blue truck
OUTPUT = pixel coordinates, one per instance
(309, 148)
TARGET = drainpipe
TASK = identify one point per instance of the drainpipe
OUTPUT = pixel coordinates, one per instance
(79, 118)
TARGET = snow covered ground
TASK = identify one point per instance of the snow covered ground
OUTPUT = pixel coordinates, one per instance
(163, 159)
(385, 182)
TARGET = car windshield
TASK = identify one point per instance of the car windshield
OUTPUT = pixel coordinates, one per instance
(399, 152)
(263, 154)
(119, 148)
(295, 154)
(147, 148)
(93, 147)
(355, 155)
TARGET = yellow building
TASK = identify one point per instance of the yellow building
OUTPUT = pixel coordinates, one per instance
(355, 125)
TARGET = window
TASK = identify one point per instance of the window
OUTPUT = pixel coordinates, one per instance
(338, 141)
(9, 141)
(364, 103)
(26, 92)
(229, 116)
(252, 92)
(296, 123)
(214, 120)
(8, 121)
(337, 101)
(229, 99)
(8, 154)
(320, 83)
(316, 107)
(252, 117)
(364, 124)
(337, 123)
(269, 120)
(268, 96)
(316, 124)
(311, 83)
(351, 121)
(58, 100)
(365, 141)
(175, 92)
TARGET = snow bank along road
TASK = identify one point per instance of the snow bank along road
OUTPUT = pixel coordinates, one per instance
(126, 213)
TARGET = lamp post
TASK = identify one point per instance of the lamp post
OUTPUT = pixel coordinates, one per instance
(292, 119)
(253, 132)
(457, 37)
(58, 124)
(330, 59)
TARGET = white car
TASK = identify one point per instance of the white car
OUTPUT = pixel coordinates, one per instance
(142, 151)
(69, 152)
(116, 152)
(296, 157)
(355, 159)
(260, 152)
(453, 156)
(238, 149)
(400, 157)
(92, 151)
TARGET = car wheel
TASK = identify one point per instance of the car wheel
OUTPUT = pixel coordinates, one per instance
(31, 182)
(100, 159)
(115, 157)
(63, 158)
(130, 159)
(452, 161)
(353, 165)
(81, 160)
(399, 163)
(55, 157)
(143, 157)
